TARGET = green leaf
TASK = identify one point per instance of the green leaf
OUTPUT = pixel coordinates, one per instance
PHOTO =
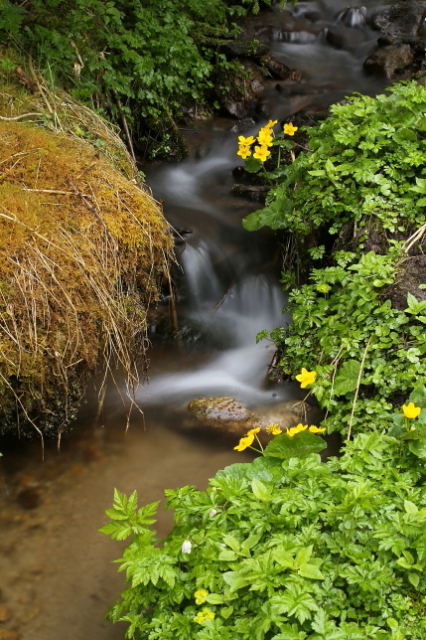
(414, 578)
(215, 598)
(252, 165)
(303, 556)
(311, 571)
(300, 445)
(261, 491)
(410, 507)
(346, 377)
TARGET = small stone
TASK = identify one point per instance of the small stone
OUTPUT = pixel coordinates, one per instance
(5, 613)
(29, 498)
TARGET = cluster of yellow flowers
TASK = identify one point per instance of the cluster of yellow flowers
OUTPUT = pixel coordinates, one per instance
(247, 440)
(200, 596)
(203, 615)
(264, 138)
(303, 427)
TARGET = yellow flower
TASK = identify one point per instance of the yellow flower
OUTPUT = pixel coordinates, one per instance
(245, 442)
(203, 615)
(245, 142)
(261, 153)
(270, 124)
(200, 596)
(273, 429)
(244, 152)
(264, 139)
(323, 288)
(410, 411)
(314, 429)
(289, 129)
(297, 429)
(253, 431)
(306, 377)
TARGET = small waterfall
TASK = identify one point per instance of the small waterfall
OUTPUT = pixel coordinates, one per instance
(352, 16)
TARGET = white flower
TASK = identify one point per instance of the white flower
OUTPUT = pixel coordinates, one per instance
(186, 546)
(212, 513)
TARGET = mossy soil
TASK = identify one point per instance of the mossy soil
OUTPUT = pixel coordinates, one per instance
(83, 249)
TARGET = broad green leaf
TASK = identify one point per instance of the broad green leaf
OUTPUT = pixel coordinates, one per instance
(410, 508)
(299, 446)
(346, 377)
(311, 571)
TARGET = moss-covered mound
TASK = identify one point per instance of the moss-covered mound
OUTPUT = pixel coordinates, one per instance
(82, 249)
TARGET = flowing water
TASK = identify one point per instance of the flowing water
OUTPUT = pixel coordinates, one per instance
(56, 576)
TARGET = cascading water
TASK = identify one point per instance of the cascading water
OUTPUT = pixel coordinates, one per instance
(55, 568)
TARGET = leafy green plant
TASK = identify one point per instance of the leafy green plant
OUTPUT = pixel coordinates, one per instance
(365, 167)
(283, 548)
(368, 356)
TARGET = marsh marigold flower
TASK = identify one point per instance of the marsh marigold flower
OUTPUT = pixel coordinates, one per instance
(203, 615)
(297, 429)
(244, 152)
(306, 377)
(410, 410)
(245, 142)
(261, 153)
(274, 429)
(200, 596)
(289, 130)
(245, 442)
(270, 124)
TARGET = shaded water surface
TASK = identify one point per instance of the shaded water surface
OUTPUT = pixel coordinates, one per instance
(56, 576)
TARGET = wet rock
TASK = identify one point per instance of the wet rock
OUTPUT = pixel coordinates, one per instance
(252, 191)
(276, 68)
(5, 634)
(243, 125)
(28, 498)
(5, 613)
(403, 21)
(223, 413)
(242, 92)
(390, 59)
(244, 48)
(227, 415)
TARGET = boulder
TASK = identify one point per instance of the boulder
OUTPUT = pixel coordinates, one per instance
(402, 21)
(390, 59)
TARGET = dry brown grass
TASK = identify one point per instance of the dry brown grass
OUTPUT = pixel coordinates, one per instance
(83, 249)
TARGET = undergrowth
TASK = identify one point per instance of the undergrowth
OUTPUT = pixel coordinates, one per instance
(283, 548)
(138, 61)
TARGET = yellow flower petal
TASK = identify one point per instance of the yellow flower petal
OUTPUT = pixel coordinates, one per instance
(314, 429)
(410, 410)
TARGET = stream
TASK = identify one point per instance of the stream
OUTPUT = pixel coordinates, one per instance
(56, 573)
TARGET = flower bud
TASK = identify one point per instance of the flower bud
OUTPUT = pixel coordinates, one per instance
(186, 546)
